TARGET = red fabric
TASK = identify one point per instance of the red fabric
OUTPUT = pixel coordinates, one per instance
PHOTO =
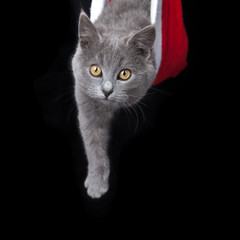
(174, 41)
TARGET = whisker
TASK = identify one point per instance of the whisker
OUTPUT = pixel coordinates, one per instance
(137, 123)
(129, 125)
(145, 105)
(144, 119)
(127, 107)
(62, 95)
(161, 91)
(72, 110)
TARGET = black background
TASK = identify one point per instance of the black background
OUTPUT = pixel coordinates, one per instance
(176, 177)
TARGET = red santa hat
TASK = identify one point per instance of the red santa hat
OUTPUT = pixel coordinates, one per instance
(171, 44)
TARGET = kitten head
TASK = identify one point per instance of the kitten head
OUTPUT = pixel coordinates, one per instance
(113, 67)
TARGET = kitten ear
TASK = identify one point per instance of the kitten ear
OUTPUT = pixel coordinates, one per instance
(143, 40)
(87, 33)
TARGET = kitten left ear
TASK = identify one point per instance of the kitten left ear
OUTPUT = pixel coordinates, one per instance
(87, 33)
(143, 40)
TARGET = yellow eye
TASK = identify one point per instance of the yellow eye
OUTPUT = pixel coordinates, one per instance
(125, 74)
(96, 71)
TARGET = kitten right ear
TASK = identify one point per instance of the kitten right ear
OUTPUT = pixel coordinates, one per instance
(143, 40)
(87, 33)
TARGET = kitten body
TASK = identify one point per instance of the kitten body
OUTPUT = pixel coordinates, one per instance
(120, 39)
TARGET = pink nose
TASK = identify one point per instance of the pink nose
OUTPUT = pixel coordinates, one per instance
(107, 89)
(107, 93)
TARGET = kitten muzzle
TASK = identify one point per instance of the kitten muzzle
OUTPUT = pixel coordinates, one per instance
(107, 89)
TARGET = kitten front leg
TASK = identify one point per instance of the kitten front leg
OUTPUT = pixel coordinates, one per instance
(97, 178)
(95, 140)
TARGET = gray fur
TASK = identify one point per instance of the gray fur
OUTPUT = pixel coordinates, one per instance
(121, 38)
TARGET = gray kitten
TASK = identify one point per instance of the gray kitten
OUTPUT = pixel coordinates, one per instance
(113, 68)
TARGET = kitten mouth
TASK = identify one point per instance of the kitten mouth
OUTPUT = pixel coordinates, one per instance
(103, 100)
(107, 101)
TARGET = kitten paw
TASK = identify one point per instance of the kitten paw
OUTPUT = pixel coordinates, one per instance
(96, 185)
